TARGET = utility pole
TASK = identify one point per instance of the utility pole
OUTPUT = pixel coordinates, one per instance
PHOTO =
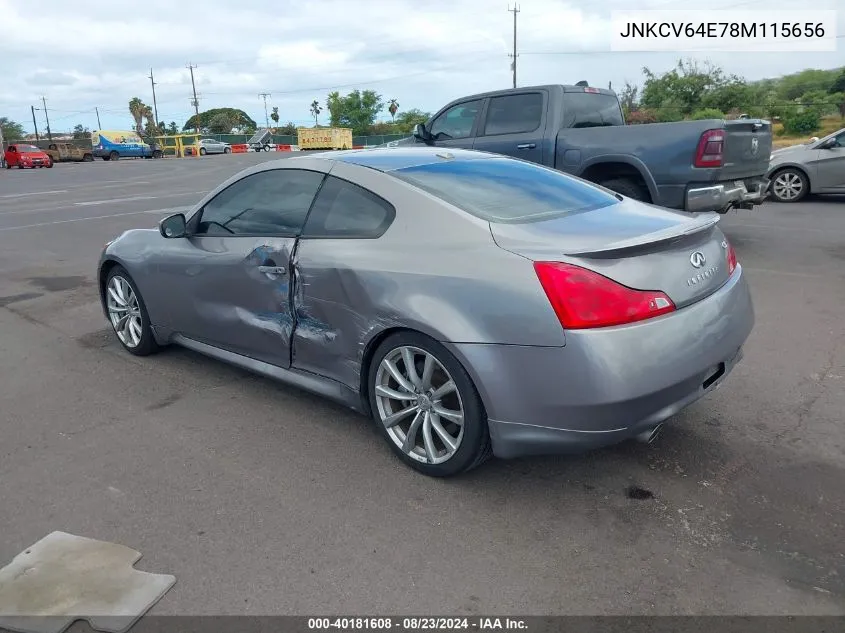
(34, 124)
(266, 117)
(195, 102)
(515, 10)
(46, 116)
(155, 107)
(99, 125)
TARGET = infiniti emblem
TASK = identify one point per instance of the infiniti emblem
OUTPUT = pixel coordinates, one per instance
(697, 259)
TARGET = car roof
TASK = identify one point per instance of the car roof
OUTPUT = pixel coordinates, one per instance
(394, 158)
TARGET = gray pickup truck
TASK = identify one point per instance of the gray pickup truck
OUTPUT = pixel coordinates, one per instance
(709, 165)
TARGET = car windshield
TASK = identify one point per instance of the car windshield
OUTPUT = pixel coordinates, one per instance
(28, 149)
(507, 191)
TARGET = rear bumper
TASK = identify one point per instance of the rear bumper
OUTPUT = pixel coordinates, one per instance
(724, 195)
(610, 384)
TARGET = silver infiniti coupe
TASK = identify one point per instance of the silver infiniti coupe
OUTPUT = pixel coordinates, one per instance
(472, 304)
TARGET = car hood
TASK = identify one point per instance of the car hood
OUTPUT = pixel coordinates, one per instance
(41, 155)
(792, 149)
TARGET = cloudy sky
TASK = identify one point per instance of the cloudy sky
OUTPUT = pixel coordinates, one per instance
(85, 53)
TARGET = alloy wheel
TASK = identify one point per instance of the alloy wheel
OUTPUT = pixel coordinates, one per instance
(788, 185)
(124, 311)
(419, 405)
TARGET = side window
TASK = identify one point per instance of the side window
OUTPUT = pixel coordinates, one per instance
(267, 203)
(456, 122)
(840, 140)
(514, 114)
(346, 210)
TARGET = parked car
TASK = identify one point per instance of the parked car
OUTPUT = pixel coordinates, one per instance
(113, 145)
(814, 167)
(470, 303)
(710, 165)
(209, 146)
(68, 152)
(23, 155)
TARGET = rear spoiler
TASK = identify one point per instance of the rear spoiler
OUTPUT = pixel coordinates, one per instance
(696, 225)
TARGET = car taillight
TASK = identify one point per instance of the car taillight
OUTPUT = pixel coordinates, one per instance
(584, 299)
(710, 149)
(731, 259)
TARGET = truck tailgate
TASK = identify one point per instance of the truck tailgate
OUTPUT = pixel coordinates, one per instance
(747, 146)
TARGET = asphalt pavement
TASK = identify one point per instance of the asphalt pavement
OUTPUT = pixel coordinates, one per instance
(262, 499)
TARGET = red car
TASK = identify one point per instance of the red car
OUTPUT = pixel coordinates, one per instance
(24, 155)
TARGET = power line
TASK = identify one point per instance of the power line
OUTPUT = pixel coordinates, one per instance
(515, 10)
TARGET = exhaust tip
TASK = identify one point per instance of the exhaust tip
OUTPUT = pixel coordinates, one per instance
(647, 437)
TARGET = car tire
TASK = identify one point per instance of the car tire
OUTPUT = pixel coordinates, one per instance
(50, 165)
(429, 453)
(135, 335)
(203, 151)
(227, 150)
(266, 148)
(88, 158)
(789, 185)
(114, 155)
(628, 188)
(157, 153)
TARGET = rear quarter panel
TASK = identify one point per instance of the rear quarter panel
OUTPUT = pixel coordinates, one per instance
(435, 270)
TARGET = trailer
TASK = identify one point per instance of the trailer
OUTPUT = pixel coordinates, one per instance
(261, 141)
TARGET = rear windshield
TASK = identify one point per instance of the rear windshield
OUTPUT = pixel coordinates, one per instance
(590, 109)
(506, 191)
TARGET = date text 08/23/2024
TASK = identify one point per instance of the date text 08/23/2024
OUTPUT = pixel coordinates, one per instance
(416, 624)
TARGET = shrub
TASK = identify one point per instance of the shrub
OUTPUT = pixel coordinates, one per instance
(669, 114)
(801, 123)
(641, 116)
(707, 113)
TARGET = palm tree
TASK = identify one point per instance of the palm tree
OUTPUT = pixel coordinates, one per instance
(393, 108)
(136, 109)
(315, 111)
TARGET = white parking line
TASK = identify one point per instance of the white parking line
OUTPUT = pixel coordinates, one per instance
(92, 203)
(98, 217)
(33, 193)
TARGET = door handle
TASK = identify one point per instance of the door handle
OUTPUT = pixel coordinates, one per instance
(272, 270)
(526, 146)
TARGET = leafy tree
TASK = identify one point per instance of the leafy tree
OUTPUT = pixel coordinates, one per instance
(628, 98)
(12, 131)
(707, 113)
(221, 123)
(137, 109)
(393, 107)
(820, 101)
(406, 120)
(315, 112)
(288, 129)
(793, 86)
(274, 116)
(81, 133)
(669, 113)
(238, 119)
(800, 123)
(684, 86)
(172, 128)
(838, 84)
(357, 110)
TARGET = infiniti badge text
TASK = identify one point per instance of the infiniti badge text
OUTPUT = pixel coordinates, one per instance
(703, 276)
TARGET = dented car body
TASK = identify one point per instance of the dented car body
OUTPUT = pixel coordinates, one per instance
(370, 243)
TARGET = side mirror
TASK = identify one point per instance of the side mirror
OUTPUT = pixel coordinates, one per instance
(173, 226)
(420, 132)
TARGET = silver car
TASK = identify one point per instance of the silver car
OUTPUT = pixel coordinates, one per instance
(470, 303)
(211, 146)
(814, 167)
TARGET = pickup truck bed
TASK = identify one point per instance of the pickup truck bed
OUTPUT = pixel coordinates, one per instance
(709, 165)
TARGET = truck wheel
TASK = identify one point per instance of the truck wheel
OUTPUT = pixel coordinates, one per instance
(266, 148)
(628, 188)
(789, 185)
(113, 155)
(88, 158)
(157, 153)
